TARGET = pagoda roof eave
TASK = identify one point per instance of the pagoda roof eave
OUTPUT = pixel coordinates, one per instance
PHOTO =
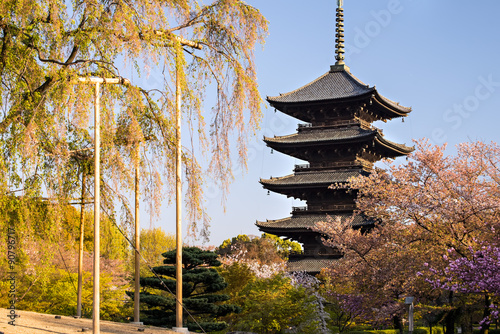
(310, 265)
(311, 179)
(336, 87)
(394, 107)
(401, 149)
(302, 223)
(280, 104)
(281, 143)
(333, 85)
(323, 137)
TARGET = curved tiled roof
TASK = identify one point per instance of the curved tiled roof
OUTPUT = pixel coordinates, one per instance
(330, 86)
(336, 85)
(332, 135)
(308, 221)
(321, 135)
(313, 178)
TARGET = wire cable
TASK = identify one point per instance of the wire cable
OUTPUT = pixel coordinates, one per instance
(152, 270)
(69, 274)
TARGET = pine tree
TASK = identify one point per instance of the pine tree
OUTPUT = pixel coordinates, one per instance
(201, 282)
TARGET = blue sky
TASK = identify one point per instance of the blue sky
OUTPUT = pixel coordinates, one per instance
(438, 57)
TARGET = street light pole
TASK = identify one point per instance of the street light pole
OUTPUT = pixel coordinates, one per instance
(97, 210)
(178, 203)
(97, 191)
(178, 185)
(137, 278)
(80, 250)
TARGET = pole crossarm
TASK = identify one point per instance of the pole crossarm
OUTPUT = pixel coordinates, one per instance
(97, 80)
(181, 40)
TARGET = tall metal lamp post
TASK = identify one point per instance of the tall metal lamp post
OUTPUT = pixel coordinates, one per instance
(97, 193)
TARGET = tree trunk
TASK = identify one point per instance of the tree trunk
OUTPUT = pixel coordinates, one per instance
(467, 326)
(486, 314)
(450, 322)
(398, 323)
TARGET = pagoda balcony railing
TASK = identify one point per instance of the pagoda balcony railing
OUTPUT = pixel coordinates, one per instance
(350, 122)
(304, 125)
(323, 208)
(315, 253)
(303, 166)
(334, 207)
(337, 164)
(299, 208)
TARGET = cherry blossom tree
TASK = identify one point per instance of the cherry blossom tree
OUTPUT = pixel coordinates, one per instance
(419, 209)
(479, 273)
(452, 200)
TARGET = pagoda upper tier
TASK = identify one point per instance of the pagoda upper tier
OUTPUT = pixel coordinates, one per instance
(329, 143)
(337, 95)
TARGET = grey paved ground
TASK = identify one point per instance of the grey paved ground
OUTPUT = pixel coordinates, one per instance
(37, 323)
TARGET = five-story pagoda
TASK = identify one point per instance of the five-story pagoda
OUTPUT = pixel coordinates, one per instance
(339, 142)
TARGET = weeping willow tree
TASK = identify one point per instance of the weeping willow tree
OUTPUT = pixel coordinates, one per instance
(46, 129)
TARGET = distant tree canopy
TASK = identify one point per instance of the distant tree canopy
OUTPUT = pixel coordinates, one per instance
(154, 242)
(200, 287)
(266, 249)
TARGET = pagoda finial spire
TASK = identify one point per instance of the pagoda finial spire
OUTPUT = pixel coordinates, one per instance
(339, 36)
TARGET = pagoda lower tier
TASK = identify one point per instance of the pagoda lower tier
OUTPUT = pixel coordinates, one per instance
(311, 180)
(299, 227)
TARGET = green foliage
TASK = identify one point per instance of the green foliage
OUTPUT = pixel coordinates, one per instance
(54, 292)
(416, 330)
(272, 305)
(200, 286)
(153, 243)
(226, 244)
(266, 249)
(237, 276)
(284, 247)
(46, 256)
(421, 331)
